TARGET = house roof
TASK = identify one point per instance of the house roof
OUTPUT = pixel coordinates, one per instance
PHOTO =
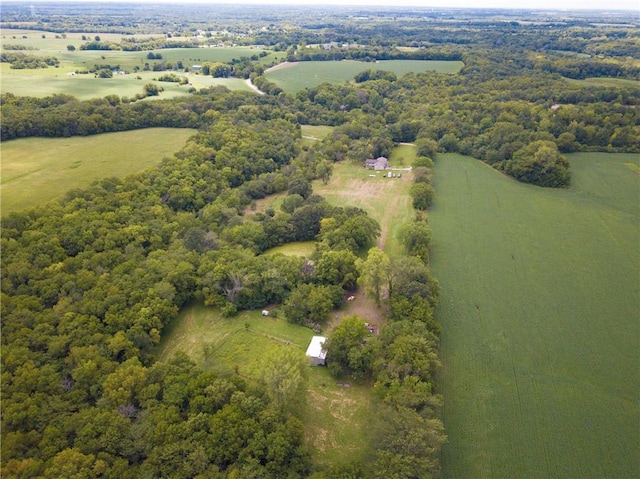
(315, 348)
(375, 161)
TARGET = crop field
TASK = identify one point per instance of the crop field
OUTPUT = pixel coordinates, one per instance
(293, 77)
(539, 313)
(335, 416)
(36, 170)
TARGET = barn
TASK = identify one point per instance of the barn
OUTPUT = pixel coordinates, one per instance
(315, 352)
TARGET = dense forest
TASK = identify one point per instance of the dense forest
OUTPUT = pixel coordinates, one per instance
(90, 282)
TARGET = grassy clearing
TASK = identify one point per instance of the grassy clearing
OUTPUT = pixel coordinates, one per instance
(335, 417)
(300, 75)
(299, 248)
(539, 310)
(387, 200)
(36, 170)
(316, 132)
(605, 82)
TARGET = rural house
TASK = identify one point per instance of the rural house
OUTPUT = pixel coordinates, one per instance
(315, 353)
(377, 164)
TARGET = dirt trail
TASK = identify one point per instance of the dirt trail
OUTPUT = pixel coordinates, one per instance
(253, 87)
(280, 66)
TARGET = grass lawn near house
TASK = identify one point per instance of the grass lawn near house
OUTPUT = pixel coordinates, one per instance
(387, 200)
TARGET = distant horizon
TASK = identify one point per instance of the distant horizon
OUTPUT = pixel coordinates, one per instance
(552, 5)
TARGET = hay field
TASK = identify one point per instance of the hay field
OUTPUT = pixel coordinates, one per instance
(539, 312)
(296, 76)
(36, 170)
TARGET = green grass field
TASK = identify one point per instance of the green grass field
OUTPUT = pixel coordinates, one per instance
(294, 77)
(50, 81)
(316, 132)
(539, 311)
(605, 82)
(36, 170)
(335, 417)
(299, 248)
(402, 155)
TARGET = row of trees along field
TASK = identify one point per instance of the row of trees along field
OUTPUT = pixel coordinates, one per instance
(90, 282)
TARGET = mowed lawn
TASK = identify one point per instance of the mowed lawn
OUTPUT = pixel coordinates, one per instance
(297, 76)
(335, 416)
(539, 311)
(36, 170)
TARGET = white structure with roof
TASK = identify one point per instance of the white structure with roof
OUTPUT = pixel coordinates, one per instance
(315, 352)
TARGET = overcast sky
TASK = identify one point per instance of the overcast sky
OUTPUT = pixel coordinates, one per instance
(633, 5)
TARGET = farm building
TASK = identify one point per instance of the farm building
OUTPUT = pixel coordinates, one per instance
(380, 163)
(315, 353)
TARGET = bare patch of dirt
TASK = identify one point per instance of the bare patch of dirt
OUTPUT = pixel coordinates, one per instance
(361, 306)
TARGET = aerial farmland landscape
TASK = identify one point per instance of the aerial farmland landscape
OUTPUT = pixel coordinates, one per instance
(320, 241)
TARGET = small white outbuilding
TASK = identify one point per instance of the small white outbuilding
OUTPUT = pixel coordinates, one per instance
(315, 352)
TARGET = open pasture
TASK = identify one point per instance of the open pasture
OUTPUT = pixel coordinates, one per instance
(36, 170)
(300, 75)
(41, 83)
(335, 417)
(316, 132)
(539, 313)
